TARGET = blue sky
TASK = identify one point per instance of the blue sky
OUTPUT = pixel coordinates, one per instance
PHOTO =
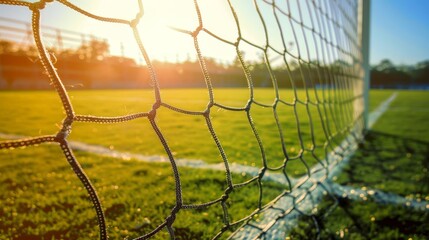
(399, 31)
(399, 28)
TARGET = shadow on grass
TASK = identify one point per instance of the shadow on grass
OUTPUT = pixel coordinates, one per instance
(384, 162)
(390, 163)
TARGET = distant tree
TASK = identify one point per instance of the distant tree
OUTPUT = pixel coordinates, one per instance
(422, 72)
(385, 66)
(5, 47)
(95, 50)
(236, 63)
(98, 49)
(213, 65)
(68, 54)
(31, 51)
(386, 74)
(422, 64)
(259, 64)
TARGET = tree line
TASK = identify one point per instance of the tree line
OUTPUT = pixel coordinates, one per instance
(91, 66)
(388, 75)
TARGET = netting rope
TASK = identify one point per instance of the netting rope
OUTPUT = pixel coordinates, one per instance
(332, 28)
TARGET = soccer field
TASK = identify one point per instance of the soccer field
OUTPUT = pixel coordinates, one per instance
(137, 196)
(40, 113)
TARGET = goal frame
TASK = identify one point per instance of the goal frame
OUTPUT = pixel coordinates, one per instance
(364, 14)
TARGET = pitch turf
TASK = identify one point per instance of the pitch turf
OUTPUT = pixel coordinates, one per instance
(42, 197)
(38, 113)
(393, 159)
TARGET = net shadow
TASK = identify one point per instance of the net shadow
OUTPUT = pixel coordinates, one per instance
(384, 162)
(389, 163)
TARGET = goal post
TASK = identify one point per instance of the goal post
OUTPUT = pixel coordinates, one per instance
(364, 39)
(278, 221)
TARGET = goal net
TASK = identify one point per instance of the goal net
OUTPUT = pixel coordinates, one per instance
(297, 68)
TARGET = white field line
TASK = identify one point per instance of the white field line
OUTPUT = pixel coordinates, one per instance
(382, 108)
(378, 196)
(193, 163)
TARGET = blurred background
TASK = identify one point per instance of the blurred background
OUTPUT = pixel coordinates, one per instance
(88, 56)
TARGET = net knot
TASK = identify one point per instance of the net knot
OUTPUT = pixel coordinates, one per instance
(64, 132)
(276, 102)
(225, 196)
(39, 5)
(197, 30)
(261, 172)
(248, 105)
(225, 227)
(152, 112)
(206, 112)
(237, 42)
(135, 21)
(66, 129)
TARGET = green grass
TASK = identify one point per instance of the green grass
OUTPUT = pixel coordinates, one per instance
(41, 197)
(45, 200)
(363, 220)
(378, 96)
(393, 158)
(407, 117)
(37, 113)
